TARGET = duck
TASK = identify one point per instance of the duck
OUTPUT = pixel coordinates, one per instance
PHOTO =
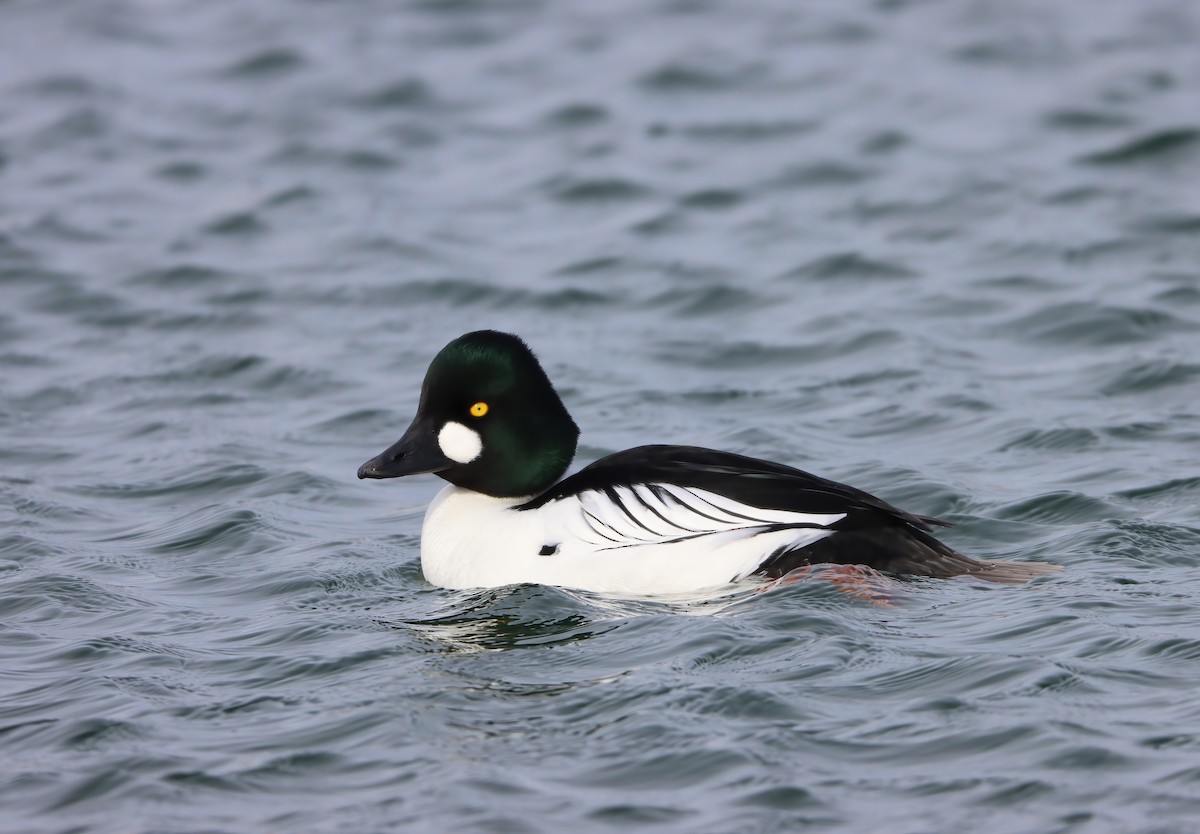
(652, 520)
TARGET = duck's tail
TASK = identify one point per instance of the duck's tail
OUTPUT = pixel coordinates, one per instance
(900, 550)
(1010, 573)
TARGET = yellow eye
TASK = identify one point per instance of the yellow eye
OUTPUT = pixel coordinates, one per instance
(479, 409)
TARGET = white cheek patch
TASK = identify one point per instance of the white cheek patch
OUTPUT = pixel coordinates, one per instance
(459, 443)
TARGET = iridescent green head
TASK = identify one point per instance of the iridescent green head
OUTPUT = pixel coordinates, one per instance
(488, 420)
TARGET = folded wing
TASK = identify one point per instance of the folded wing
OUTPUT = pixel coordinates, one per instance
(672, 494)
(662, 513)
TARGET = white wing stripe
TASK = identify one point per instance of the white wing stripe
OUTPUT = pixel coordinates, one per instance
(767, 516)
(655, 513)
(648, 497)
(633, 506)
(592, 524)
(669, 512)
(741, 517)
(713, 514)
(686, 515)
(599, 510)
(606, 510)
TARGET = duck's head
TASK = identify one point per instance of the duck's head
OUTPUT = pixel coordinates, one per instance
(488, 420)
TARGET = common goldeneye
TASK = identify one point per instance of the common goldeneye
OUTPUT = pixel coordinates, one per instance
(649, 520)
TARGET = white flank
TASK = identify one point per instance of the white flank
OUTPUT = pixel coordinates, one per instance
(659, 539)
(459, 443)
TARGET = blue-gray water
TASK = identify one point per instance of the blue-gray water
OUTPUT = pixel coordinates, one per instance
(946, 251)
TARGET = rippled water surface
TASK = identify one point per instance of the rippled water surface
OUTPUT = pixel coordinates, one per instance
(946, 251)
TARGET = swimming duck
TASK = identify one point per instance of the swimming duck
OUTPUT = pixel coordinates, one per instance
(649, 520)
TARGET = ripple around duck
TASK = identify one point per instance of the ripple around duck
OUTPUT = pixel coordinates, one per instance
(665, 771)
(237, 372)
(712, 199)
(24, 548)
(512, 618)
(461, 292)
(1090, 758)
(46, 597)
(77, 128)
(1020, 283)
(704, 301)
(1012, 51)
(700, 76)
(65, 85)
(215, 530)
(573, 190)
(70, 297)
(401, 94)
(577, 115)
(267, 63)
(213, 479)
(1174, 488)
(1177, 649)
(9, 332)
(819, 174)
(1080, 120)
(736, 131)
(737, 355)
(182, 171)
(628, 814)
(91, 788)
(847, 265)
(183, 277)
(1186, 225)
(356, 159)
(739, 703)
(1150, 376)
(1148, 542)
(1180, 296)
(363, 422)
(236, 224)
(1160, 147)
(45, 401)
(230, 321)
(1081, 323)
(600, 265)
(15, 260)
(1060, 439)
(1058, 508)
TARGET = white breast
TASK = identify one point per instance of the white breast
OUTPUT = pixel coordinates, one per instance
(646, 539)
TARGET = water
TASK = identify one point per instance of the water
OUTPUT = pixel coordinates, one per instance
(944, 251)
